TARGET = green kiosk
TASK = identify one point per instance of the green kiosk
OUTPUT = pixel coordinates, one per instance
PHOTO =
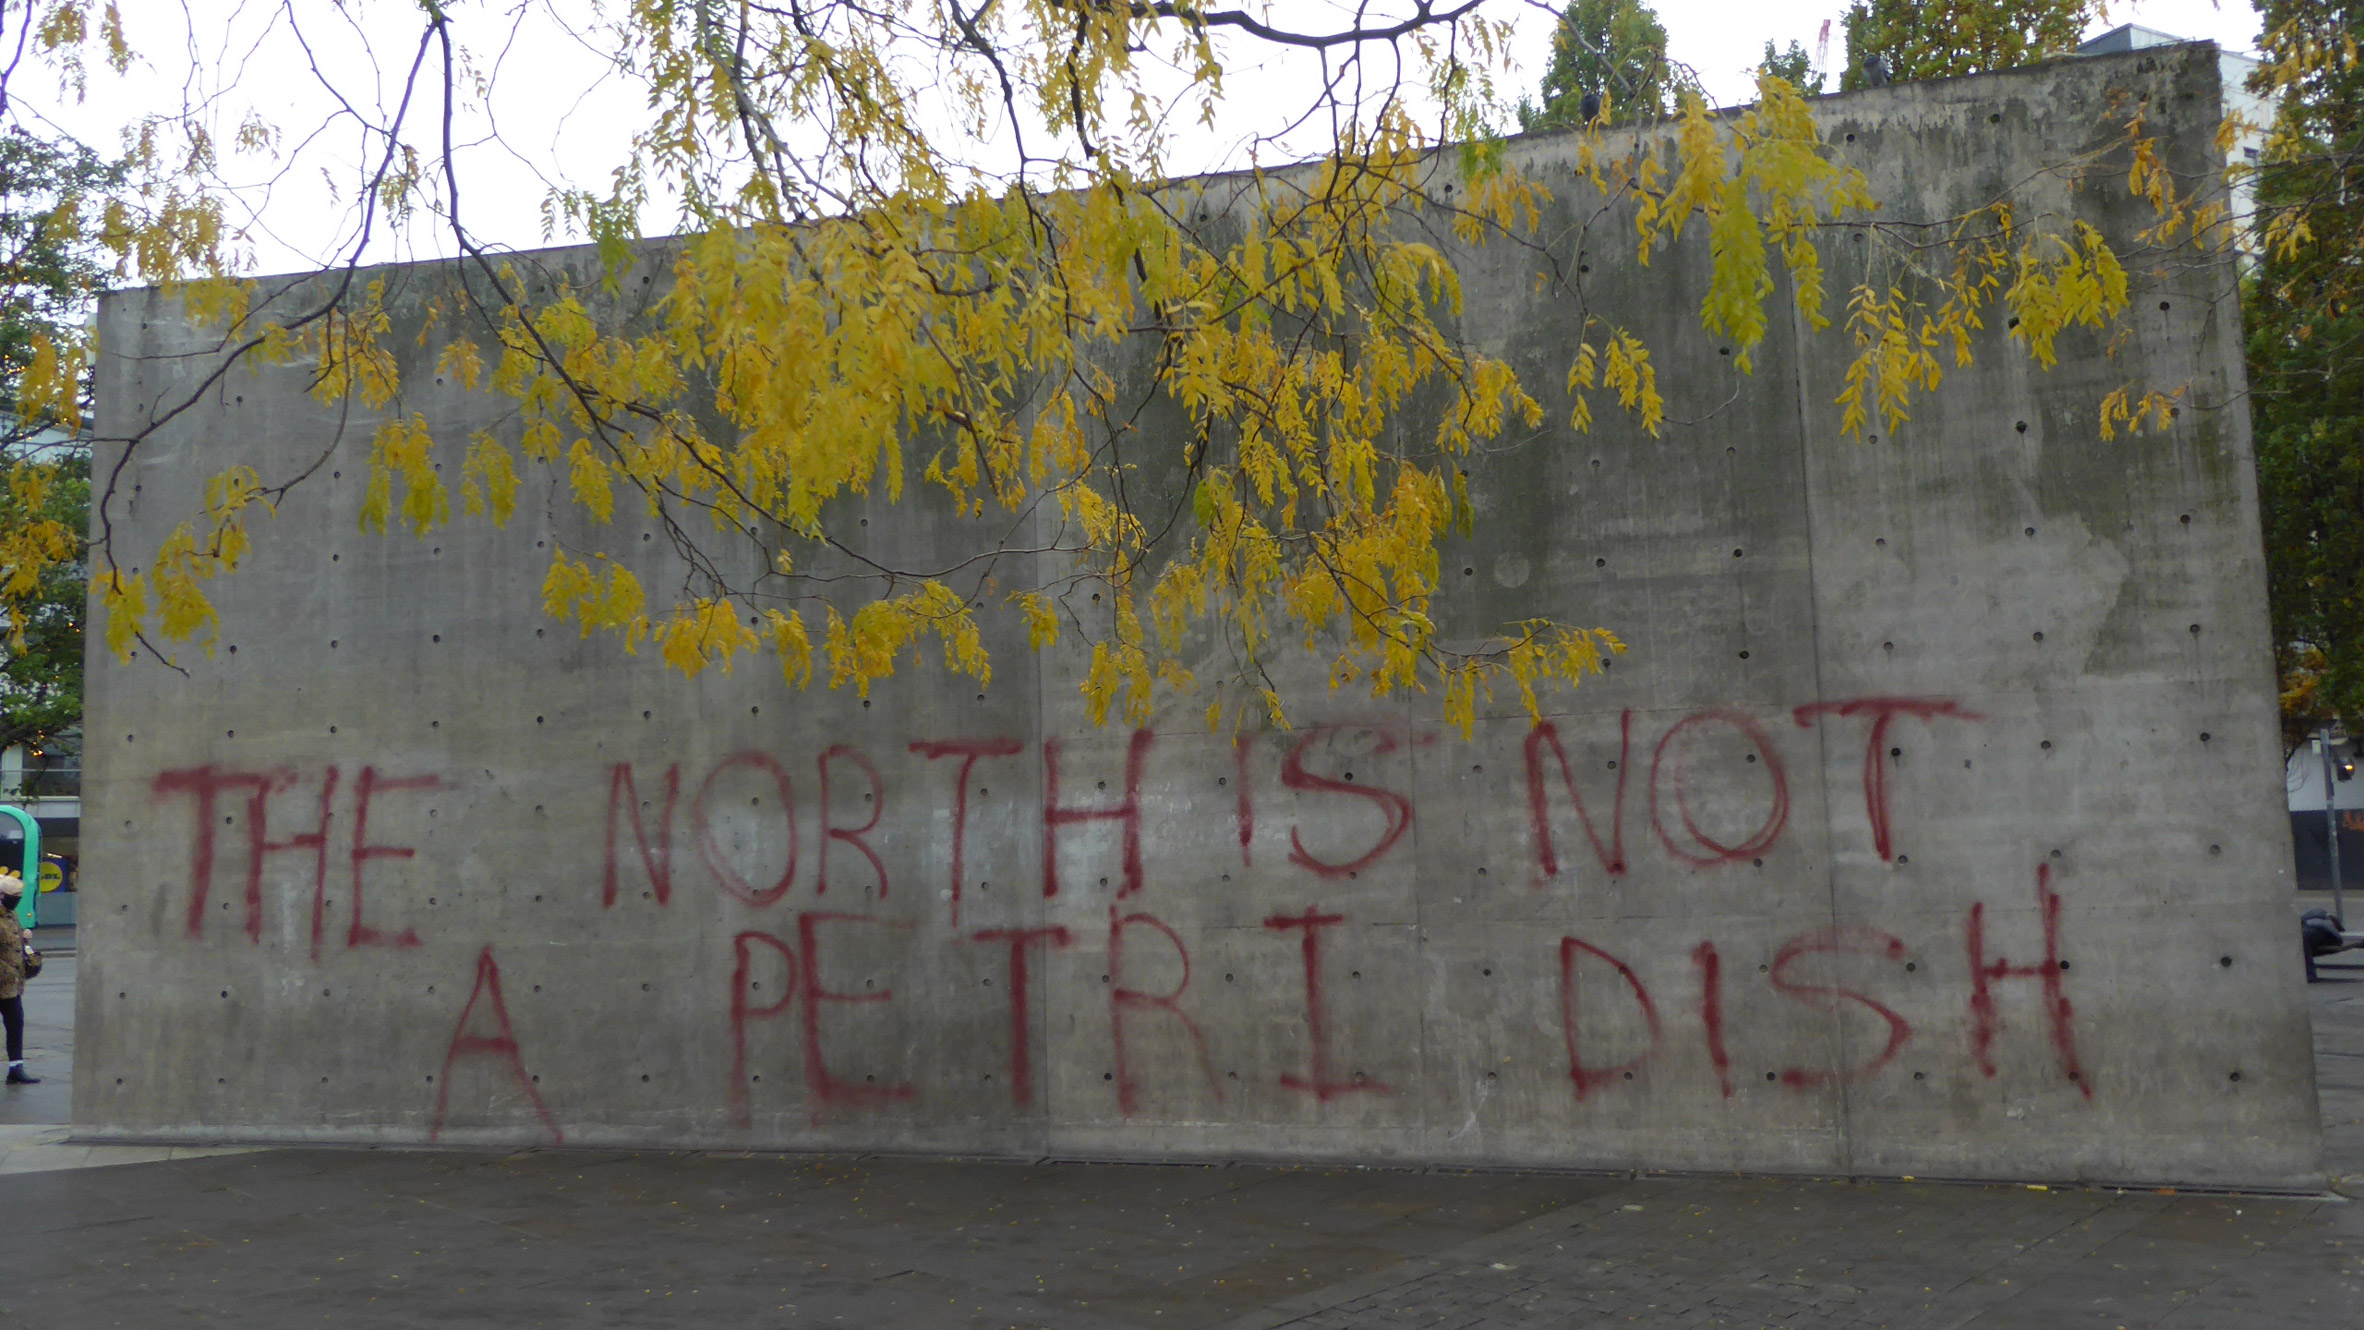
(28, 909)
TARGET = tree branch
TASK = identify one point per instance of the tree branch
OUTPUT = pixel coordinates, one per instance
(1424, 15)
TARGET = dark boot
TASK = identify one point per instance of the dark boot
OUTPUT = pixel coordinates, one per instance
(17, 1076)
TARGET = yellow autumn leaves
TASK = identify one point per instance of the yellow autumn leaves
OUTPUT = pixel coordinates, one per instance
(170, 600)
(1767, 180)
(1175, 417)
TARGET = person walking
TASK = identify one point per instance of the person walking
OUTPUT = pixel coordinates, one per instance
(12, 978)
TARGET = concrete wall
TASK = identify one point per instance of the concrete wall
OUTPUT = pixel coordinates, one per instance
(1933, 825)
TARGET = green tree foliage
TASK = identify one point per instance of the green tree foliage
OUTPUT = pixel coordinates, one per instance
(51, 267)
(2305, 315)
(41, 672)
(1929, 39)
(1616, 48)
(1794, 66)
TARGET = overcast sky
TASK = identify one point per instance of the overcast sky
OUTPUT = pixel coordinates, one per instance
(556, 115)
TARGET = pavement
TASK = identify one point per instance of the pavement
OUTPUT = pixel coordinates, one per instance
(366, 1238)
(49, 1042)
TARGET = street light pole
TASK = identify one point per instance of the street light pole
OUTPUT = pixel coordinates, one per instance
(2331, 824)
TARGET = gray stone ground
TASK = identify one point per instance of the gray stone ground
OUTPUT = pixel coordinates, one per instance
(405, 1238)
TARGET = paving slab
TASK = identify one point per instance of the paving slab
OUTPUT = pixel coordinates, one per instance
(302, 1237)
